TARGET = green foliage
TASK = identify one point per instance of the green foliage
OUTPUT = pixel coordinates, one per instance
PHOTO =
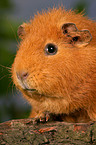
(5, 4)
(8, 44)
(10, 106)
(7, 41)
(81, 7)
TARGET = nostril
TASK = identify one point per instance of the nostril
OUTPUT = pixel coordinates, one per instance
(22, 76)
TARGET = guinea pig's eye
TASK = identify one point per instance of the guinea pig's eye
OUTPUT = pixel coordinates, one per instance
(50, 49)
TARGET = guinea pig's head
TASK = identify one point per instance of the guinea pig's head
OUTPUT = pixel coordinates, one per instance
(48, 59)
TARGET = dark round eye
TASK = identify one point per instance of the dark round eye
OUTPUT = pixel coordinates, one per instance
(50, 49)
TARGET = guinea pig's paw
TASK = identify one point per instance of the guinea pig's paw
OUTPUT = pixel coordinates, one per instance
(92, 115)
(47, 116)
(44, 117)
(41, 117)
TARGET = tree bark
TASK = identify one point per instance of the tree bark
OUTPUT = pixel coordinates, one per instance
(26, 132)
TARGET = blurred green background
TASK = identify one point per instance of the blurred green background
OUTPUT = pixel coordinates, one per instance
(12, 105)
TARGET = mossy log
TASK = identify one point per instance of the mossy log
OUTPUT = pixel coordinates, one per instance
(26, 132)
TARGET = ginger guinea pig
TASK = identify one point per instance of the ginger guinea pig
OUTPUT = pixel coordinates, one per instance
(55, 66)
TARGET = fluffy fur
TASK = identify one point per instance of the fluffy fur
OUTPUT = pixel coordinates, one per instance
(65, 82)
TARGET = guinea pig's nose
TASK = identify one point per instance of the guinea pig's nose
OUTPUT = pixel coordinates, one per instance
(22, 75)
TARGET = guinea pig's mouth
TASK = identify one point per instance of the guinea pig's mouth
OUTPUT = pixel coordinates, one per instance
(25, 87)
(30, 90)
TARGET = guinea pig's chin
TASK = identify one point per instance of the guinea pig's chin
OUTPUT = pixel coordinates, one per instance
(27, 90)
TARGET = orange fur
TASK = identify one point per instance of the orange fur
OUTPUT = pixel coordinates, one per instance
(65, 82)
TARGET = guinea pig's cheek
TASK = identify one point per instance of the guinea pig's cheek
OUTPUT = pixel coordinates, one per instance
(29, 84)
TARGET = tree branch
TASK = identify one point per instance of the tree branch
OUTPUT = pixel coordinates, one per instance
(25, 132)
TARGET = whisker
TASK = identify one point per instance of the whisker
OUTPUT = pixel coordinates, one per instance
(13, 32)
(12, 89)
(16, 91)
(7, 92)
(10, 84)
(3, 77)
(5, 67)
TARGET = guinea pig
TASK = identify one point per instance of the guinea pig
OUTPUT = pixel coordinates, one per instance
(55, 65)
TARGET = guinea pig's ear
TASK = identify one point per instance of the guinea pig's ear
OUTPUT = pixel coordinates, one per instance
(22, 30)
(81, 38)
(85, 36)
(69, 28)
